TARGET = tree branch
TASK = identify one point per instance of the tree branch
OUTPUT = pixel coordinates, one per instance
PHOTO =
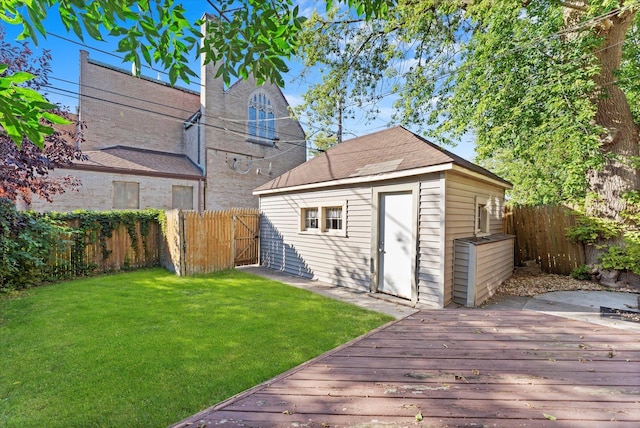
(570, 5)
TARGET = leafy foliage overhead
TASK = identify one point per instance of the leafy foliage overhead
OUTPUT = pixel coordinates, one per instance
(251, 37)
(25, 168)
(522, 77)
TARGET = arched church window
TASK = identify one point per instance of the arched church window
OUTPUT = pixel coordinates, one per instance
(262, 126)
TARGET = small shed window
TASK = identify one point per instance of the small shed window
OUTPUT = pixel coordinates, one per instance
(482, 216)
(333, 218)
(326, 218)
(310, 218)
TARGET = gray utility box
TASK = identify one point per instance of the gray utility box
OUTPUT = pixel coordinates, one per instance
(480, 265)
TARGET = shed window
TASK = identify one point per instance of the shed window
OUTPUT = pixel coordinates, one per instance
(262, 127)
(126, 195)
(333, 218)
(482, 216)
(327, 218)
(310, 217)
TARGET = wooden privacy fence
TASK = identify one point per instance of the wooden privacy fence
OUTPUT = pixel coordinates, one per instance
(541, 235)
(96, 255)
(211, 241)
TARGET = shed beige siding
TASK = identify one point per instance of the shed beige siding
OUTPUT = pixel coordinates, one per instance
(337, 259)
(460, 199)
(430, 241)
(494, 264)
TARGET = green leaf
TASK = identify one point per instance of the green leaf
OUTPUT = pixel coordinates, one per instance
(145, 53)
(54, 118)
(21, 77)
(91, 27)
(550, 417)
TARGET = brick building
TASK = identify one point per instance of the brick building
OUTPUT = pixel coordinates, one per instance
(150, 145)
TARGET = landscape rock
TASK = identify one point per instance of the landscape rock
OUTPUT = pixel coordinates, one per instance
(630, 279)
(608, 278)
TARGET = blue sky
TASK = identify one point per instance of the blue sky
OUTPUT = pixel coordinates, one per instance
(63, 79)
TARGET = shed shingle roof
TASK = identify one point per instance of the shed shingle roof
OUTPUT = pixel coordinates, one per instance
(391, 150)
(140, 162)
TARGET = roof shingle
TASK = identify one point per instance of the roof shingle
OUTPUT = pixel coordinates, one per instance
(139, 161)
(390, 150)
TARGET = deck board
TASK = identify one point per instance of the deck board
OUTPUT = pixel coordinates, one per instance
(455, 368)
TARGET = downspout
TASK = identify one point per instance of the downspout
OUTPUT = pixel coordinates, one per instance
(199, 157)
(200, 190)
(79, 128)
(200, 180)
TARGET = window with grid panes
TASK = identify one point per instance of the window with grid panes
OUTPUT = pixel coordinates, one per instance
(333, 218)
(310, 216)
(262, 126)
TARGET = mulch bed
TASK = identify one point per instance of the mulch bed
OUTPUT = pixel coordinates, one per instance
(532, 285)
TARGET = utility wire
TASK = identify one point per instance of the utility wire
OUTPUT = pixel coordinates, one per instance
(379, 97)
(300, 143)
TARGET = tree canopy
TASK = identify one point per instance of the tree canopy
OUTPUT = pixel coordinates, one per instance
(25, 169)
(528, 79)
(249, 37)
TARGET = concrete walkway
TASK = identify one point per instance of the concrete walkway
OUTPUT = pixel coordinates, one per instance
(577, 305)
(397, 308)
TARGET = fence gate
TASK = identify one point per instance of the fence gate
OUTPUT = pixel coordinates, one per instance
(246, 232)
(211, 240)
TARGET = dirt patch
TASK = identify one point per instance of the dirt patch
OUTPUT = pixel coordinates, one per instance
(532, 285)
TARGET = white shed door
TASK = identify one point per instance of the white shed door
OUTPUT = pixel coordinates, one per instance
(395, 244)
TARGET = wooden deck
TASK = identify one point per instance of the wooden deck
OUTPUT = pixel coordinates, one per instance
(455, 368)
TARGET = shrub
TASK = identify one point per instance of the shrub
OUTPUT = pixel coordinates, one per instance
(627, 258)
(30, 242)
(27, 241)
(582, 272)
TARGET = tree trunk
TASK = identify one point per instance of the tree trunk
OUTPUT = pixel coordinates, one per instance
(620, 139)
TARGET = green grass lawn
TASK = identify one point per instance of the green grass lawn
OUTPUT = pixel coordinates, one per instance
(148, 348)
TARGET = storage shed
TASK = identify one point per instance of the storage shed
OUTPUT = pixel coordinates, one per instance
(381, 213)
